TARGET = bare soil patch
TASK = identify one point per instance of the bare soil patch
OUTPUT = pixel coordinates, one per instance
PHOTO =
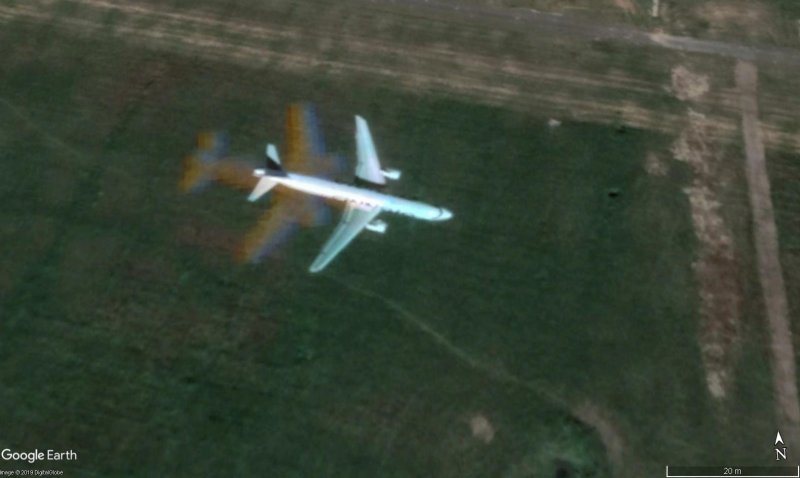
(687, 85)
(717, 267)
(482, 428)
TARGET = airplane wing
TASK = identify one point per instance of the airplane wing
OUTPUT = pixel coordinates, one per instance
(368, 167)
(353, 221)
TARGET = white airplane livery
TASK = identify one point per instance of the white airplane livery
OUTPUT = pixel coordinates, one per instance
(362, 204)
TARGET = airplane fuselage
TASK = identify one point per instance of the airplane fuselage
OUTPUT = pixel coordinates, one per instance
(362, 197)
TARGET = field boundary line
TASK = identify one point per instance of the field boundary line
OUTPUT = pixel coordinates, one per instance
(496, 373)
(22, 115)
(609, 437)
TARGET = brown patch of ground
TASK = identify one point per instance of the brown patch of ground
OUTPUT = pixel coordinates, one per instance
(687, 85)
(482, 428)
(717, 267)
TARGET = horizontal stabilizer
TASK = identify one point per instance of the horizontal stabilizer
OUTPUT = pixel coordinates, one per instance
(262, 188)
(393, 174)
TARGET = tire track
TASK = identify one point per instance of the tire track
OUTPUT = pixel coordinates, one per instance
(585, 413)
(496, 80)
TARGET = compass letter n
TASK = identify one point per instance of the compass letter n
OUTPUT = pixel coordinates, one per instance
(780, 454)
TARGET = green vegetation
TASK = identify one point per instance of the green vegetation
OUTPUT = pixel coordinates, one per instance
(129, 334)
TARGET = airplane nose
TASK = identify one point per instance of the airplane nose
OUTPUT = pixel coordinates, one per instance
(444, 214)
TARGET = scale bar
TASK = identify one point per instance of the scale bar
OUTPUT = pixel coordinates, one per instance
(733, 472)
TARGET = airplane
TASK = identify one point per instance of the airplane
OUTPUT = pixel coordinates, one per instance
(362, 204)
(312, 168)
(211, 162)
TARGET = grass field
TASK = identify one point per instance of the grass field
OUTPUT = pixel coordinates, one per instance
(556, 312)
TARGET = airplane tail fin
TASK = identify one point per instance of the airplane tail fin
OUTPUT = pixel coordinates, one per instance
(199, 167)
(274, 167)
(368, 168)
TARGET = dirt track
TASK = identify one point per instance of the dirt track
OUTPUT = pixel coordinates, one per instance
(476, 69)
(770, 272)
(582, 28)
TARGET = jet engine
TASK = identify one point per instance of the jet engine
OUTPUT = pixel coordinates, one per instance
(393, 174)
(377, 226)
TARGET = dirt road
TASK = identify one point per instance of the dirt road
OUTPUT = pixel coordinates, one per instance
(469, 59)
(585, 28)
(770, 272)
